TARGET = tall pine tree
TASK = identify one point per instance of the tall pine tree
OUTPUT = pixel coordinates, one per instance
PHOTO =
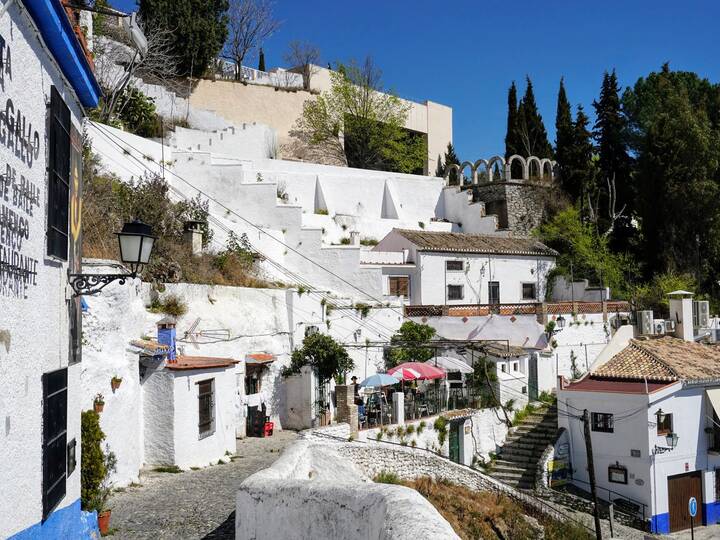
(532, 135)
(564, 128)
(450, 159)
(609, 132)
(511, 135)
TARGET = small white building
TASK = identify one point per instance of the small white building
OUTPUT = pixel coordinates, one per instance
(188, 403)
(521, 374)
(443, 268)
(46, 79)
(654, 411)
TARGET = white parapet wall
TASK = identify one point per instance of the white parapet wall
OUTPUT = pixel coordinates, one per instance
(311, 492)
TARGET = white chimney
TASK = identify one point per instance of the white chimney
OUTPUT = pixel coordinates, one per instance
(681, 311)
(193, 236)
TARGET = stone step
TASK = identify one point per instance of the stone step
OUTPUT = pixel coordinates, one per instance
(524, 444)
(539, 428)
(530, 436)
(521, 452)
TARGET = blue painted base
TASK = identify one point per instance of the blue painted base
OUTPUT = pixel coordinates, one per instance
(68, 522)
(660, 524)
(711, 513)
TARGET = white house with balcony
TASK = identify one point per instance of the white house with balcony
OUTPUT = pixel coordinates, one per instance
(654, 409)
(443, 268)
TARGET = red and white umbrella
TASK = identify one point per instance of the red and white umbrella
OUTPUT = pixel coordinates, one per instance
(410, 371)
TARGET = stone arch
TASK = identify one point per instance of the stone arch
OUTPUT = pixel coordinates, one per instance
(533, 172)
(491, 168)
(546, 169)
(472, 178)
(478, 172)
(453, 167)
(509, 164)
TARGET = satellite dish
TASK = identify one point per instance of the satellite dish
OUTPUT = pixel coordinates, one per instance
(136, 34)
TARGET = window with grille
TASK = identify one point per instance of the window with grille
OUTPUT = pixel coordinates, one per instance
(399, 285)
(529, 291)
(493, 292)
(54, 441)
(454, 266)
(252, 382)
(602, 422)
(206, 408)
(58, 174)
(455, 292)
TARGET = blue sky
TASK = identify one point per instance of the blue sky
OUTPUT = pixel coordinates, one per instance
(465, 53)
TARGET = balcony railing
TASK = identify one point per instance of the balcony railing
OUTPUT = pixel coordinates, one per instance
(527, 308)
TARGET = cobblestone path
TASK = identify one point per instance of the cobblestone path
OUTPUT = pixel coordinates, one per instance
(192, 504)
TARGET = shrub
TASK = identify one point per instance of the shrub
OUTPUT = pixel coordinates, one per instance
(172, 305)
(345, 241)
(95, 465)
(421, 427)
(410, 430)
(368, 242)
(321, 211)
(441, 426)
(387, 477)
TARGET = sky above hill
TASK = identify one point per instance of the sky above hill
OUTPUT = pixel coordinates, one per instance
(465, 53)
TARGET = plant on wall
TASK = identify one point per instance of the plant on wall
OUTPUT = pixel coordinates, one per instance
(441, 427)
(95, 465)
(574, 371)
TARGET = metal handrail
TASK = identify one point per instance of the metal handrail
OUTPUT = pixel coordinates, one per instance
(642, 505)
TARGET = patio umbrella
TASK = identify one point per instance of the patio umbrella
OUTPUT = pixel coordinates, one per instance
(410, 371)
(449, 363)
(380, 379)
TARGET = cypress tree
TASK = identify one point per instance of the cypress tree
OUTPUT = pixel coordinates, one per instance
(450, 159)
(577, 171)
(261, 61)
(564, 128)
(609, 133)
(531, 130)
(511, 146)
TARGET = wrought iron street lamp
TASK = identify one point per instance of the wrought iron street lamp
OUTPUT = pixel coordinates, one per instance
(671, 439)
(560, 322)
(136, 243)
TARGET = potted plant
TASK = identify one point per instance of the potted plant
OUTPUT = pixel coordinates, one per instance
(96, 467)
(115, 382)
(99, 403)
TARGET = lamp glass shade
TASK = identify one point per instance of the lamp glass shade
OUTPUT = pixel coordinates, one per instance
(660, 416)
(136, 243)
(560, 321)
(671, 439)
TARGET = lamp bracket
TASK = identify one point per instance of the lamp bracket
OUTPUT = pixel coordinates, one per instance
(88, 284)
(661, 449)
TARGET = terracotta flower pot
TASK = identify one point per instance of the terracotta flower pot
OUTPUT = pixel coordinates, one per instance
(99, 407)
(104, 521)
(115, 384)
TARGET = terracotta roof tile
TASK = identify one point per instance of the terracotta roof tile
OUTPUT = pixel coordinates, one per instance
(663, 359)
(475, 243)
(183, 362)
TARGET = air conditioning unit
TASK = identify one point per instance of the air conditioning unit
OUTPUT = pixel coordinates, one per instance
(311, 330)
(701, 314)
(645, 322)
(669, 326)
(658, 327)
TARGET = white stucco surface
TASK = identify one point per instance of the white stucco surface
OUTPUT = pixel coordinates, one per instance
(34, 327)
(311, 492)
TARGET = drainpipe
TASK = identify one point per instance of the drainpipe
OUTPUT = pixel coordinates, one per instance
(6, 7)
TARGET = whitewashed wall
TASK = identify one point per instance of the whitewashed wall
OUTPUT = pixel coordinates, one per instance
(34, 327)
(586, 340)
(190, 450)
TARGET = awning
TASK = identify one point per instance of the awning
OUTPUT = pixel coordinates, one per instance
(259, 359)
(714, 395)
(448, 363)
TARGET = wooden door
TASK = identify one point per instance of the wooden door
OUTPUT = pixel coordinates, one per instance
(455, 428)
(680, 489)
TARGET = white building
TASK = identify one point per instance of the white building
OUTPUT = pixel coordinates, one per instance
(443, 268)
(654, 426)
(46, 80)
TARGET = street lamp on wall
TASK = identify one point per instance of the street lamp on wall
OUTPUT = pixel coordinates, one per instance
(560, 322)
(136, 243)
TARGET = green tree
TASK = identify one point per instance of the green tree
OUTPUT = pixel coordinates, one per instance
(410, 344)
(532, 136)
(199, 29)
(450, 159)
(92, 460)
(322, 353)
(370, 119)
(674, 121)
(579, 244)
(653, 294)
(614, 163)
(578, 167)
(564, 128)
(512, 145)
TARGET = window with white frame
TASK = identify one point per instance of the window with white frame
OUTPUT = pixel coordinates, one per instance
(455, 292)
(454, 266)
(529, 291)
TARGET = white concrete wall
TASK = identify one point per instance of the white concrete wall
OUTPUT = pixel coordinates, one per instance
(313, 480)
(158, 423)
(34, 328)
(510, 271)
(578, 291)
(585, 335)
(190, 449)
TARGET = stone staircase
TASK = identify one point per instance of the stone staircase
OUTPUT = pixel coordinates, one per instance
(517, 460)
